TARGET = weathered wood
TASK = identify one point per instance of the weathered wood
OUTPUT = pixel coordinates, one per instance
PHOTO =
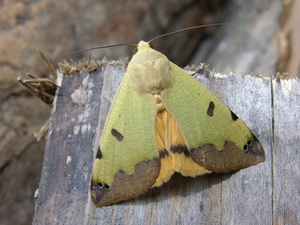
(263, 194)
(286, 152)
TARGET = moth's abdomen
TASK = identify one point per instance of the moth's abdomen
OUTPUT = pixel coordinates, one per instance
(174, 154)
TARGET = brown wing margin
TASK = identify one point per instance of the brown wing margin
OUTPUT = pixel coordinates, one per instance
(230, 158)
(122, 189)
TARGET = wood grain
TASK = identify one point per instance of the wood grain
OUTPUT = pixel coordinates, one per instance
(267, 193)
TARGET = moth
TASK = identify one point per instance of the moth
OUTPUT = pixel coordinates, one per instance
(162, 121)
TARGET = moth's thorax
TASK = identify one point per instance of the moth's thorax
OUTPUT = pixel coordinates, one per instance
(149, 71)
(159, 105)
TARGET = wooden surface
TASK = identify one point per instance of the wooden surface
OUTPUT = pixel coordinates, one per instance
(267, 193)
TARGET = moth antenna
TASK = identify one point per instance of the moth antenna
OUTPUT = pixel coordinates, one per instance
(123, 44)
(93, 48)
(186, 29)
(48, 63)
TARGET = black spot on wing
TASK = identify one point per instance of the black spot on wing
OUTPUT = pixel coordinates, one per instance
(100, 186)
(210, 109)
(248, 146)
(163, 153)
(99, 154)
(180, 149)
(233, 116)
(117, 134)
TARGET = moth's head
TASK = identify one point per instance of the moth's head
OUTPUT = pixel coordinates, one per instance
(149, 70)
(143, 45)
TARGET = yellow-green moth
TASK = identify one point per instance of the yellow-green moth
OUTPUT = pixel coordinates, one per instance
(163, 121)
